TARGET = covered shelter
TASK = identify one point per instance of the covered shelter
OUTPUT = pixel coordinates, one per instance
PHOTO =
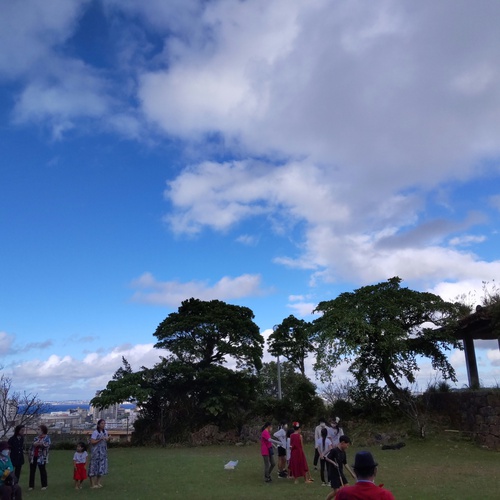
(483, 324)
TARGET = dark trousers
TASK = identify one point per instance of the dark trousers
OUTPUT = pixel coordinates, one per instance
(43, 475)
(17, 472)
(323, 465)
(316, 457)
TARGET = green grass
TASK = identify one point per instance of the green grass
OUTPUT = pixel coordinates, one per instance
(444, 468)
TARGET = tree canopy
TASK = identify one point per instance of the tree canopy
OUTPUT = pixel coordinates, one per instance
(292, 340)
(204, 333)
(381, 330)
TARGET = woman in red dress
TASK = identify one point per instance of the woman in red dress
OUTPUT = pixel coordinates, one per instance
(298, 463)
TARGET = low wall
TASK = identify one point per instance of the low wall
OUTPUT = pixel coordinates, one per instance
(474, 412)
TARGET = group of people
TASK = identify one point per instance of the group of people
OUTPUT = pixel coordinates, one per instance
(330, 449)
(12, 459)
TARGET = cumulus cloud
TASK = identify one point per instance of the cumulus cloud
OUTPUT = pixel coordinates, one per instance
(172, 293)
(65, 377)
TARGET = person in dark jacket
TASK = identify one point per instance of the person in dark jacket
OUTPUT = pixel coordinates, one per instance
(16, 443)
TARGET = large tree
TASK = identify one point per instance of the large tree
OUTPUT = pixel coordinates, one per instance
(381, 330)
(292, 340)
(204, 333)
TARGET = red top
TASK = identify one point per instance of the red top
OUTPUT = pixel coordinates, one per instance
(265, 444)
(364, 490)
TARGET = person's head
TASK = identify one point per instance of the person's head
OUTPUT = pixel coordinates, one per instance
(344, 442)
(284, 425)
(81, 446)
(322, 422)
(4, 448)
(296, 426)
(19, 430)
(101, 423)
(267, 426)
(335, 422)
(324, 433)
(43, 429)
(364, 466)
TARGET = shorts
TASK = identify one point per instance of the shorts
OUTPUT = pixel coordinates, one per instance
(335, 478)
(281, 451)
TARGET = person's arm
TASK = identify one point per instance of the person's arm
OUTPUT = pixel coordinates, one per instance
(94, 439)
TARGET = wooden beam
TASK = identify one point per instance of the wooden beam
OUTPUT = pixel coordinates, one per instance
(470, 361)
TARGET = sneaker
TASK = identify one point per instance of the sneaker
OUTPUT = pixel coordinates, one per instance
(324, 484)
(44, 488)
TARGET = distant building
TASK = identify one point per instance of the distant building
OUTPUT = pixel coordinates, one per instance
(112, 415)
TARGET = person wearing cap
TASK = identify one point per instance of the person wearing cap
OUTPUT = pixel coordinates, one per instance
(9, 488)
(365, 488)
(335, 431)
(337, 460)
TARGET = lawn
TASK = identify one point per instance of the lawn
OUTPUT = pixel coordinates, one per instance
(444, 468)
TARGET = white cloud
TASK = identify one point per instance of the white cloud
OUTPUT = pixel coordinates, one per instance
(302, 309)
(6, 342)
(466, 240)
(65, 377)
(172, 293)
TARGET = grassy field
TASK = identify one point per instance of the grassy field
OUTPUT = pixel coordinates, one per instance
(444, 468)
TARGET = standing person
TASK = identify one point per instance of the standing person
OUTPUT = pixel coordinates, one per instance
(337, 458)
(80, 465)
(98, 466)
(335, 431)
(280, 434)
(323, 447)
(365, 488)
(298, 463)
(267, 451)
(39, 457)
(317, 435)
(16, 443)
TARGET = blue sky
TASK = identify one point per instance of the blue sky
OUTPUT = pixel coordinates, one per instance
(271, 154)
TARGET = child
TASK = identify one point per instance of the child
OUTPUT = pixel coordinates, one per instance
(337, 459)
(323, 447)
(80, 463)
(281, 436)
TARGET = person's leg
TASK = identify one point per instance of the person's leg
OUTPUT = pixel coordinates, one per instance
(32, 475)
(266, 467)
(316, 457)
(322, 469)
(43, 475)
(17, 472)
(272, 464)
